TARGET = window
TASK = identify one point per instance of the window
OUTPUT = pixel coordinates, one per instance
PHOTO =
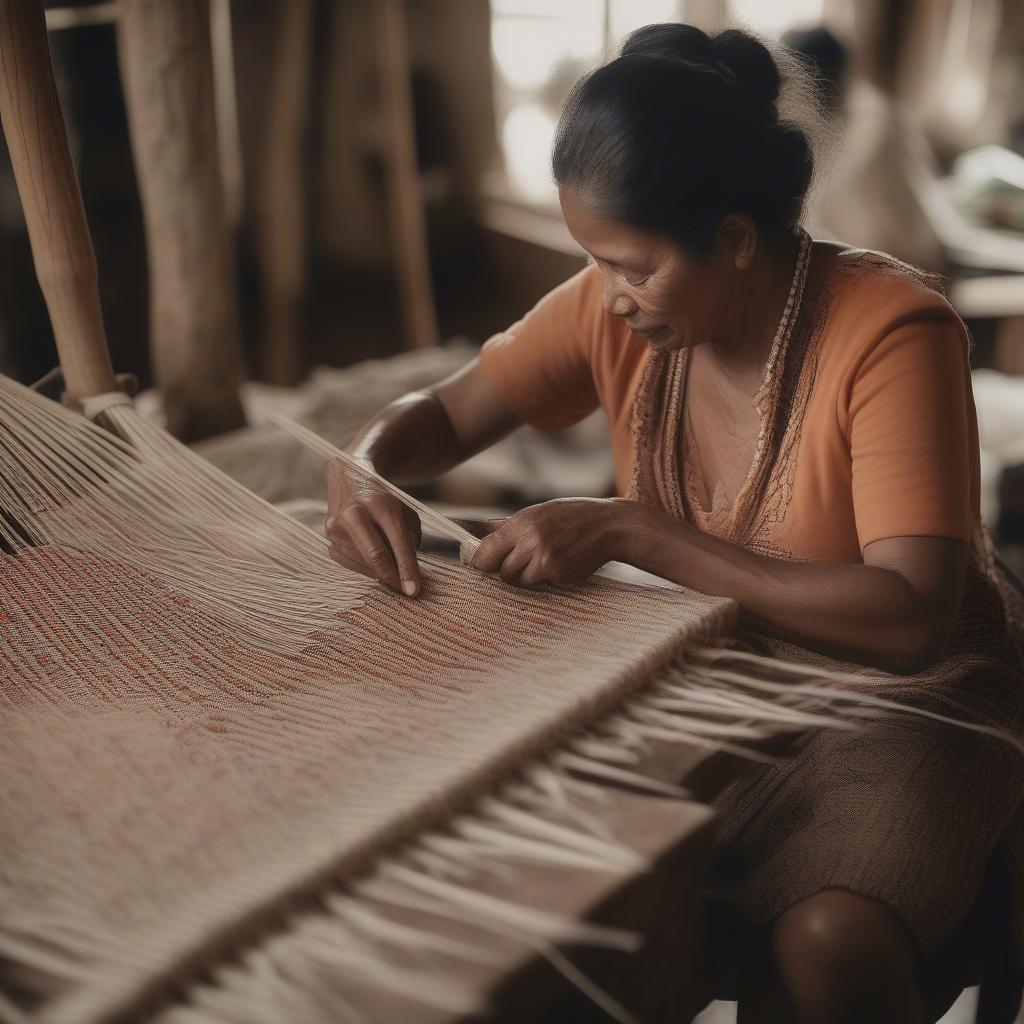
(540, 48)
(772, 19)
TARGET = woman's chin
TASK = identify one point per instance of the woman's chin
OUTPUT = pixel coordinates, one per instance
(667, 341)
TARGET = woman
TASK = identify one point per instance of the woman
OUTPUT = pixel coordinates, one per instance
(793, 427)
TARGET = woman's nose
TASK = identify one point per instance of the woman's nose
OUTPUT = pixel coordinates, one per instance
(616, 303)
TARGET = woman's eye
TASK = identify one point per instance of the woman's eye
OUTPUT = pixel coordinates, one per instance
(633, 280)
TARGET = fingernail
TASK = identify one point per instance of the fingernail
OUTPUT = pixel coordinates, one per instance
(409, 587)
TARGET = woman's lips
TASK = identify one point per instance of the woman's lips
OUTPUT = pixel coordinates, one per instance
(653, 333)
(645, 330)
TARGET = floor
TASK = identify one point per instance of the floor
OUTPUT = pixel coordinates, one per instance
(961, 1012)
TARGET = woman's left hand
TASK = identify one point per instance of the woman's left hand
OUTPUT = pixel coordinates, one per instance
(563, 542)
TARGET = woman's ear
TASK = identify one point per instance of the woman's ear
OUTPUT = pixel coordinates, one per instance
(738, 233)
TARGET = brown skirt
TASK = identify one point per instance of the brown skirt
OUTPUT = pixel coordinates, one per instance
(911, 812)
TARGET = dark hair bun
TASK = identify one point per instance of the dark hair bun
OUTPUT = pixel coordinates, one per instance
(741, 56)
(681, 129)
(678, 41)
(749, 60)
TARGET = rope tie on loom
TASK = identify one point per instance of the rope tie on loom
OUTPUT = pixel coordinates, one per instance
(94, 405)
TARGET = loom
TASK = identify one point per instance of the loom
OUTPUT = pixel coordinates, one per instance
(233, 770)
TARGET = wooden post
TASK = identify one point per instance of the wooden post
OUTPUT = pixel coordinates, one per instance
(62, 248)
(164, 51)
(1009, 348)
(280, 206)
(408, 229)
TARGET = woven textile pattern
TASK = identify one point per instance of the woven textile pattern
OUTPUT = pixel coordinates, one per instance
(201, 721)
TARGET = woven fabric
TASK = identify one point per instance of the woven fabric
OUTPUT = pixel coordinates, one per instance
(201, 722)
(208, 726)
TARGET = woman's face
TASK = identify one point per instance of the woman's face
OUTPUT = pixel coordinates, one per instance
(665, 295)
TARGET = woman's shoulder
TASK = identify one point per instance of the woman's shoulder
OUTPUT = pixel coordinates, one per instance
(866, 296)
(878, 284)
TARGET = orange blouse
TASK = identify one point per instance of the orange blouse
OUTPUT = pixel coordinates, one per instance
(889, 442)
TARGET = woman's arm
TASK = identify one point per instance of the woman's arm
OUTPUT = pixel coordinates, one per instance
(894, 612)
(425, 433)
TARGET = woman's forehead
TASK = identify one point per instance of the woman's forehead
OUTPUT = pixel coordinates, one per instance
(606, 237)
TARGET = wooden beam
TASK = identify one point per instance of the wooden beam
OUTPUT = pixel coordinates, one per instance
(166, 67)
(62, 247)
(280, 205)
(405, 201)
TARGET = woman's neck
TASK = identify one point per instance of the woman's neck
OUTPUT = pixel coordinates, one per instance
(742, 350)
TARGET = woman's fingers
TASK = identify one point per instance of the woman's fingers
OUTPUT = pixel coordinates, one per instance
(372, 533)
(492, 551)
(514, 555)
(514, 563)
(402, 540)
(347, 556)
(373, 549)
(535, 573)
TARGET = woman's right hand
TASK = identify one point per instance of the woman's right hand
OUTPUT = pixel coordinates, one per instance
(372, 533)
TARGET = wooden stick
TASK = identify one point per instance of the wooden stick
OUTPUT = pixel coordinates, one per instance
(166, 67)
(62, 248)
(225, 94)
(441, 524)
(408, 230)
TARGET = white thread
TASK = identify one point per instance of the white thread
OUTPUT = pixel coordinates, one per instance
(442, 524)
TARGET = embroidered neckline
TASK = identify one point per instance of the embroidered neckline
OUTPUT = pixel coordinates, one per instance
(764, 402)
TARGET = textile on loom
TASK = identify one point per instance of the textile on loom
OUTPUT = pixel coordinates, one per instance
(205, 720)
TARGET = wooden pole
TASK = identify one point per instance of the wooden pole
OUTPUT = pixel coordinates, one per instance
(62, 250)
(280, 206)
(408, 228)
(229, 142)
(166, 68)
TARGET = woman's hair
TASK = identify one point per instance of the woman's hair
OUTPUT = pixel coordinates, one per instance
(683, 128)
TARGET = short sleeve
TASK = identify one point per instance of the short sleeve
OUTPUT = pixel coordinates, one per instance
(909, 435)
(542, 365)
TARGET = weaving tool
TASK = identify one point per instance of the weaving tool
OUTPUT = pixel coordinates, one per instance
(226, 758)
